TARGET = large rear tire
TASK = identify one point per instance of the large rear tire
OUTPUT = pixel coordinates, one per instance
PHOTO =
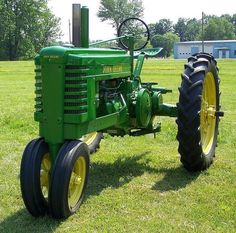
(198, 112)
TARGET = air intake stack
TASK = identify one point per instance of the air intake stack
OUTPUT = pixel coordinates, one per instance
(80, 26)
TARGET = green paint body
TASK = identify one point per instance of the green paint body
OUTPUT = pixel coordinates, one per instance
(82, 90)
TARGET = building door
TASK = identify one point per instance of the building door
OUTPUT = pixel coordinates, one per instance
(220, 54)
(194, 50)
(223, 53)
(227, 54)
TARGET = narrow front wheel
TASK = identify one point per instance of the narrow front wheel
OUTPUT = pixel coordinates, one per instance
(69, 179)
(35, 176)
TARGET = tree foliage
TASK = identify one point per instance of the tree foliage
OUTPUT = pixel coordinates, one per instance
(164, 33)
(116, 11)
(165, 41)
(26, 26)
(193, 30)
(219, 28)
(231, 19)
(214, 28)
(162, 27)
(180, 27)
(184, 27)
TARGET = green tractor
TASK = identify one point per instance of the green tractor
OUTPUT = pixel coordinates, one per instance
(83, 92)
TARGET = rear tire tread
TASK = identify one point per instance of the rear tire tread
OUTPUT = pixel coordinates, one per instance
(189, 106)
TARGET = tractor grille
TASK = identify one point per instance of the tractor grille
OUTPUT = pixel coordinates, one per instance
(75, 98)
(38, 89)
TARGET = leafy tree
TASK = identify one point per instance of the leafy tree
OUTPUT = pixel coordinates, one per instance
(188, 29)
(226, 16)
(165, 41)
(152, 29)
(163, 26)
(158, 41)
(231, 19)
(193, 30)
(180, 28)
(117, 11)
(141, 41)
(219, 28)
(170, 39)
(26, 26)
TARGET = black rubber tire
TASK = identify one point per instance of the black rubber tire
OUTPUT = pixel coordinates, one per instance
(190, 147)
(30, 168)
(60, 179)
(95, 144)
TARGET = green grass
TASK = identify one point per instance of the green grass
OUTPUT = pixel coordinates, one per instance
(136, 184)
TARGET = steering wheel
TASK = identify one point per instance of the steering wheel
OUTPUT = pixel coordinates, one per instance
(138, 29)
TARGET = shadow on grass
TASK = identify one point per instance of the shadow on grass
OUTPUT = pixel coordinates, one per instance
(22, 221)
(175, 179)
(123, 170)
(102, 176)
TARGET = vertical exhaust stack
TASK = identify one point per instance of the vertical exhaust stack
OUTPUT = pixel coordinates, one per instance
(76, 10)
(80, 26)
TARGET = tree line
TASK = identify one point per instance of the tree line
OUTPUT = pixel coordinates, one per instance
(26, 26)
(164, 33)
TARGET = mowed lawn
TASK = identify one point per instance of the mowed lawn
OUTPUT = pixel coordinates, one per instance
(136, 184)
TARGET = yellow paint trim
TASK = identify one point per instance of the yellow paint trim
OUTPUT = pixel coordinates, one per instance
(44, 174)
(207, 115)
(77, 181)
(89, 138)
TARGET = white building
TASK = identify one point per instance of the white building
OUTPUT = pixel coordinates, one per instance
(217, 48)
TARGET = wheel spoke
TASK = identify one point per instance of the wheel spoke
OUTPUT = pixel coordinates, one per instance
(46, 164)
(75, 179)
(76, 182)
(43, 178)
(44, 174)
(211, 110)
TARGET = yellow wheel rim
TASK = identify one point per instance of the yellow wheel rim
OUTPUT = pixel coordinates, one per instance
(207, 115)
(77, 181)
(44, 174)
(89, 138)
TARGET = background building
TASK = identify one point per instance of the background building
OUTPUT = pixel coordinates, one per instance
(218, 48)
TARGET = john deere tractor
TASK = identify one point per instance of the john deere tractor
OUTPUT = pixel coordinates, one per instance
(84, 92)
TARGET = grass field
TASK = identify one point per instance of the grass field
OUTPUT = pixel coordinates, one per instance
(136, 184)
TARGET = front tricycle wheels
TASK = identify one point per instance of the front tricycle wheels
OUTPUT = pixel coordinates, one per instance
(198, 112)
(56, 188)
(69, 178)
